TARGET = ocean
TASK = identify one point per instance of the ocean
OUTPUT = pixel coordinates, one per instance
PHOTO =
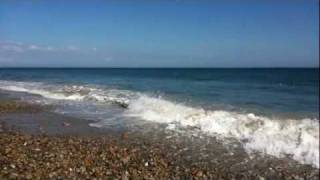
(270, 110)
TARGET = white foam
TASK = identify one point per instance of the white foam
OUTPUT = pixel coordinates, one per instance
(75, 93)
(36, 89)
(277, 137)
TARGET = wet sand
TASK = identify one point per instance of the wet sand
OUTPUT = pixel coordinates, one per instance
(39, 144)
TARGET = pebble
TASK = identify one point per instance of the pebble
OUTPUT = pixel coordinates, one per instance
(66, 124)
(111, 157)
(125, 136)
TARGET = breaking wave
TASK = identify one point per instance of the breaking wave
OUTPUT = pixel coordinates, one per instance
(277, 137)
(74, 92)
(298, 138)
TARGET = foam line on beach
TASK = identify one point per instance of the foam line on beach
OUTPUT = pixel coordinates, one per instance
(72, 92)
(298, 138)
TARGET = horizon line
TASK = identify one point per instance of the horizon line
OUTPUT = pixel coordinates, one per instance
(254, 67)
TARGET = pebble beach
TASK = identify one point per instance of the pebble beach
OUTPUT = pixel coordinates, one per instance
(41, 153)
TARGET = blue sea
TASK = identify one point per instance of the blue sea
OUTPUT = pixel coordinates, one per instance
(275, 110)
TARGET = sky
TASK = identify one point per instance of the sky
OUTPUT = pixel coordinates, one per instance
(154, 33)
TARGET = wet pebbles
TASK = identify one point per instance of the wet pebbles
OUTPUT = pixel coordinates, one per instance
(130, 155)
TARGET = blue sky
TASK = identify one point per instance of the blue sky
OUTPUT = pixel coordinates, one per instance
(181, 33)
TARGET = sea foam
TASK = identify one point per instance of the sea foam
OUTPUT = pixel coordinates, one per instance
(277, 137)
(298, 138)
(72, 92)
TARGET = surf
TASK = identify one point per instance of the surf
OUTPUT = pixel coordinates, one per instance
(297, 138)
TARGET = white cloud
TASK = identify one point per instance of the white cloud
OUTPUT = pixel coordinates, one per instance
(108, 59)
(5, 59)
(11, 47)
(33, 47)
(32, 54)
(49, 48)
(72, 48)
(41, 48)
(13, 53)
(18, 47)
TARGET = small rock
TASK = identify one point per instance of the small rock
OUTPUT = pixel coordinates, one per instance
(199, 173)
(13, 176)
(51, 175)
(28, 176)
(125, 176)
(126, 159)
(66, 124)
(124, 136)
(82, 169)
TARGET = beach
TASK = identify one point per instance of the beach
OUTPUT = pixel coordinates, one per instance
(159, 90)
(159, 124)
(38, 144)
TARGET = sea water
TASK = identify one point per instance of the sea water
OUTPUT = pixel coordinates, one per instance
(273, 111)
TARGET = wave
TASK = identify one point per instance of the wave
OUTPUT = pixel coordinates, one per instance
(298, 138)
(73, 92)
(277, 137)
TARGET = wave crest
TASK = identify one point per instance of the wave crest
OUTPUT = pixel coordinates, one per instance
(277, 137)
(74, 92)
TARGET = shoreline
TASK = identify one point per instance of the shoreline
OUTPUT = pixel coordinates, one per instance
(59, 147)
